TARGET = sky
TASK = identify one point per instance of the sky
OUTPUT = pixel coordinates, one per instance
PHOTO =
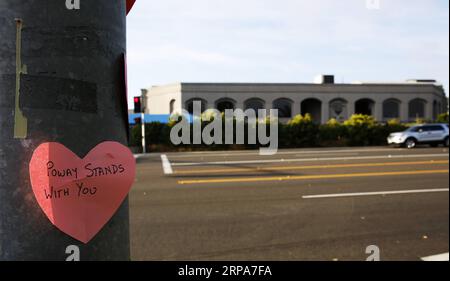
(288, 41)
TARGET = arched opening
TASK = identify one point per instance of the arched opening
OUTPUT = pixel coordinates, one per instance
(365, 107)
(417, 109)
(391, 109)
(255, 104)
(284, 107)
(172, 106)
(224, 104)
(338, 109)
(190, 105)
(312, 107)
(436, 110)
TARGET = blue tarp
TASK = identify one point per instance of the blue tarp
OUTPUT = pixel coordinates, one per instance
(150, 118)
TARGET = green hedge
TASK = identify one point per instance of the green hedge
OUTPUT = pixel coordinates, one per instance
(301, 131)
(442, 118)
(155, 133)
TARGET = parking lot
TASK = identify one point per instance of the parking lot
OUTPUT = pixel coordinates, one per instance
(302, 204)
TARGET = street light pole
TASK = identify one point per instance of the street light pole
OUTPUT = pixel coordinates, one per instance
(61, 80)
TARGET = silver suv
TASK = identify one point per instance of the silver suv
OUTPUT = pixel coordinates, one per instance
(433, 134)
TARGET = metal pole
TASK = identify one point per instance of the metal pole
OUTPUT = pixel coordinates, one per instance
(143, 109)
(61, 80)
(144, 150)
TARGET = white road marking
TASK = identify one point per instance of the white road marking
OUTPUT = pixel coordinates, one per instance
(167, 167)
(441, 257)
(358, 194)
(256, 152)
(311, 159)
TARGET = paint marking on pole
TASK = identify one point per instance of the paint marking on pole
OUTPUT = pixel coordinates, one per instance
(167, 167)
(441, 257)
(360, 194)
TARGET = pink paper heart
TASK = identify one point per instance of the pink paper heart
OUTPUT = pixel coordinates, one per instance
(79, 196)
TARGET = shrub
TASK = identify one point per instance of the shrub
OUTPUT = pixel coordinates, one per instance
(360, 120)
(359, 129)
(155, 133)
(442, 118)
(301, 131)
(300, 119)
(420, 121)
(395, 125)
(332, 133)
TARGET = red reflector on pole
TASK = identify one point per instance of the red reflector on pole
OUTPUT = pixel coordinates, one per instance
(130, 4)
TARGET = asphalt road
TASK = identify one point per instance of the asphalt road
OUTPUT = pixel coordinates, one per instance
(305, 204)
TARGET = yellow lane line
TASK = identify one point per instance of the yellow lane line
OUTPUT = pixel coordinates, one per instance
(287, 168)
(314, 177)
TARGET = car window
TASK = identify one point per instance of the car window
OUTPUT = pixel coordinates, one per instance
(435, 128)
(413, 129)
(421, 129)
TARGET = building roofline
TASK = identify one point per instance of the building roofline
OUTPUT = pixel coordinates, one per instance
(287, 87)
(371, 83)
(356, 83)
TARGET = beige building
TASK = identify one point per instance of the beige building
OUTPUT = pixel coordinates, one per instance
(323, 99)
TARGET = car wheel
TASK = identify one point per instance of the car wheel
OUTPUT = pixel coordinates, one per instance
(446, 142)
(434, 145)
(410, 143)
